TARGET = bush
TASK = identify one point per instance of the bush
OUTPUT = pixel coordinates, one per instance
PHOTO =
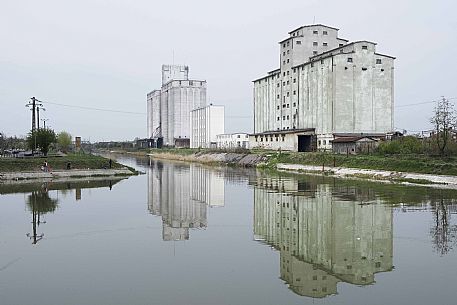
(404, 145)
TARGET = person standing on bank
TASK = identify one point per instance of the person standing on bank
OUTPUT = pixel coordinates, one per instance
(110, 163)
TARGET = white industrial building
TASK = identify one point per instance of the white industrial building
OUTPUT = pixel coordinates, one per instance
(232, 141)
(205, 123)
(169, 108)
(324, 88)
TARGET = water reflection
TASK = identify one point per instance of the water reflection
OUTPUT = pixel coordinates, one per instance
(325, 234)
(39, 204)
(180, 193)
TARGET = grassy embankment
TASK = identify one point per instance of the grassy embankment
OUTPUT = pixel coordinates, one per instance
(403, 163)
(78, 161)
(412, 163)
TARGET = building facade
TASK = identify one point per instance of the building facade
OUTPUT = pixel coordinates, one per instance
(205, 124)
(169, 108)
(232, 141)
(327, 84)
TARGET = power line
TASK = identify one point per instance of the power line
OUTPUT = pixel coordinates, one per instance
(95, 109)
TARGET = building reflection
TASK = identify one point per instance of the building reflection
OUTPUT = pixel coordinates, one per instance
(325, 234)
(181, 194)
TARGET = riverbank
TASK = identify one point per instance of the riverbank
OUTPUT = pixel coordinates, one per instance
(18, 169)
(418, 170)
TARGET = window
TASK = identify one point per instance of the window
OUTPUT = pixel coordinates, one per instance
(278, 85)
(382, 70)
(364, 48)
(288, 43)
(284, 117)
(283, 53)
(277, 96)
(295, 104)
(287, 82)
(319, 142)
(324, 142)
(324, 33)
(278, 118)
(364, 69)
(288, 51)
(312, 64)
(315, 43)
(295, 80)
(293, 34)
(283, 105)
(287, 72)
(322, 61)
(238, 136)
(283, 83)
(378, 61)
(314, 52)
(298, 42)
(288, 107)
(287, 93)
(294, 117)
(295, 92)
(324, 44)
(287, 60)
(349, 59)
(295, 70)
(315, 32)
(277, 107)
(191, 83)
(283, 62)
(283, 45)
(340, 45)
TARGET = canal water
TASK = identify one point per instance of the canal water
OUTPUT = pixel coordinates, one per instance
(190, 234)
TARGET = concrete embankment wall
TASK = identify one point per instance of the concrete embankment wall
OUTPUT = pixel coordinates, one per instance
(247, 160)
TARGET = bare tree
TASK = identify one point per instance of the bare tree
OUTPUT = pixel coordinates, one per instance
(443, 120)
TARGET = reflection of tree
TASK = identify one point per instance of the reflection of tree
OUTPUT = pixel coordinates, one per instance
(39, 203)
(443, 233)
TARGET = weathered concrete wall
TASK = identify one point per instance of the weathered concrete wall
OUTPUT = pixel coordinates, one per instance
(205, 124)
(344, 90)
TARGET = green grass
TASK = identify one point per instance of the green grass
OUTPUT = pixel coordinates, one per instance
(403, 163)
(78, 161)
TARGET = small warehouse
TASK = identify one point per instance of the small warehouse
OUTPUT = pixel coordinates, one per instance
(354, 145)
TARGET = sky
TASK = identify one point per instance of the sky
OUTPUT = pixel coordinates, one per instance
(108, 55)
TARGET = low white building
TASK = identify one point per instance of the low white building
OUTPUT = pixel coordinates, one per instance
(232, 141)
(205, 124)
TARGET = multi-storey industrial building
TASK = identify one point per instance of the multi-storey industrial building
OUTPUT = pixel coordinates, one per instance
(169, 108)
(205, 124)
(325, 88)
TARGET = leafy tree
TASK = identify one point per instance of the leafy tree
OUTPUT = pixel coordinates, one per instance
(443, 120)
(64, 140)
(41, 138)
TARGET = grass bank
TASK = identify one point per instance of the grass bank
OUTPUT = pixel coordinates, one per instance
(78, 161)
(421, 164)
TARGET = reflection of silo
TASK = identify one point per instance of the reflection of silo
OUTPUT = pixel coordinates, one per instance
(323, 238)
(207, 186)
(169, 195)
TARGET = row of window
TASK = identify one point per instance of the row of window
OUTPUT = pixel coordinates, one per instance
(286, 117)
(286, 105)
(323, 44)
(315, 32)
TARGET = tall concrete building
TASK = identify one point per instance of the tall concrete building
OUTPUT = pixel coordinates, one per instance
(169, 108)
(324, 88)
(205, 124)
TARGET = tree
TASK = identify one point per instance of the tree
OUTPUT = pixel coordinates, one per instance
(41, 138)
(443, 120)
(64, 140)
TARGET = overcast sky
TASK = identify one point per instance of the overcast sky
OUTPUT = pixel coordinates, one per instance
(108, 54)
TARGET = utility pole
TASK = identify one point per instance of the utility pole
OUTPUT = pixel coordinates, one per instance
(33, 104)
(44, 123)
(38, 107)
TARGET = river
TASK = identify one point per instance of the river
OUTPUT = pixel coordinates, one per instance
(191, 234)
